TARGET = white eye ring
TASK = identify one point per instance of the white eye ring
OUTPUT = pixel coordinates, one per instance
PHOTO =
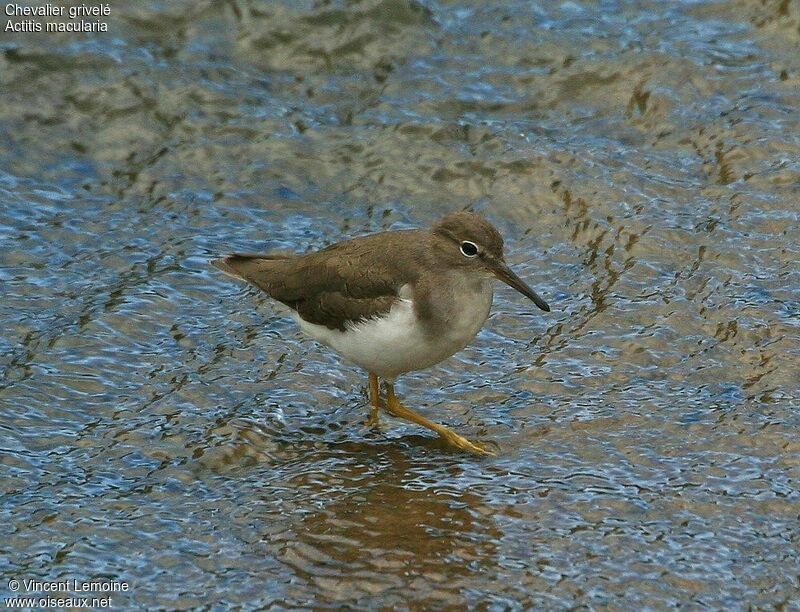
(469, 249)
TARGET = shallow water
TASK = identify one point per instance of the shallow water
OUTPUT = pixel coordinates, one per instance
(167, 427)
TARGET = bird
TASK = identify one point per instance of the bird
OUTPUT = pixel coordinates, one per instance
(392, 302)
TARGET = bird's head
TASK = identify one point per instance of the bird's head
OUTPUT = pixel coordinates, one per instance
(466, 241)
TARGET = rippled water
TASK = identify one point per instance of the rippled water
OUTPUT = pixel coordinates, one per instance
(164, 426)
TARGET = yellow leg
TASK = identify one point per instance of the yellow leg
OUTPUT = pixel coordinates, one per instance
(397, 409)
(374, 401)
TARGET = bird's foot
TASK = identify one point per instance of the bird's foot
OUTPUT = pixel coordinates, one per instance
(375, 403)
(373, 420)
(394, 407)
(461, 442)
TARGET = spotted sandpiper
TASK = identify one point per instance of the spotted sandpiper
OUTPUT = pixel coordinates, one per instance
(392, 302)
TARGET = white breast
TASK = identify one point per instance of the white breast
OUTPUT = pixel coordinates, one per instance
(396, 343)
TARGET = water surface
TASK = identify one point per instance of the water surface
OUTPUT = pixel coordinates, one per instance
(165, 426)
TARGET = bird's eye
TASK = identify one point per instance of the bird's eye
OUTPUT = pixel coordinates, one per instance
(469, 249)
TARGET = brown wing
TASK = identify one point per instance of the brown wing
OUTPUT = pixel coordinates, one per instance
(346, 283)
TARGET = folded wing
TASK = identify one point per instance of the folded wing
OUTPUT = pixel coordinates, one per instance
(336, 287)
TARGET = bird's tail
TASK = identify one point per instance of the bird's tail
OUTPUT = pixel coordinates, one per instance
(250, 266)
